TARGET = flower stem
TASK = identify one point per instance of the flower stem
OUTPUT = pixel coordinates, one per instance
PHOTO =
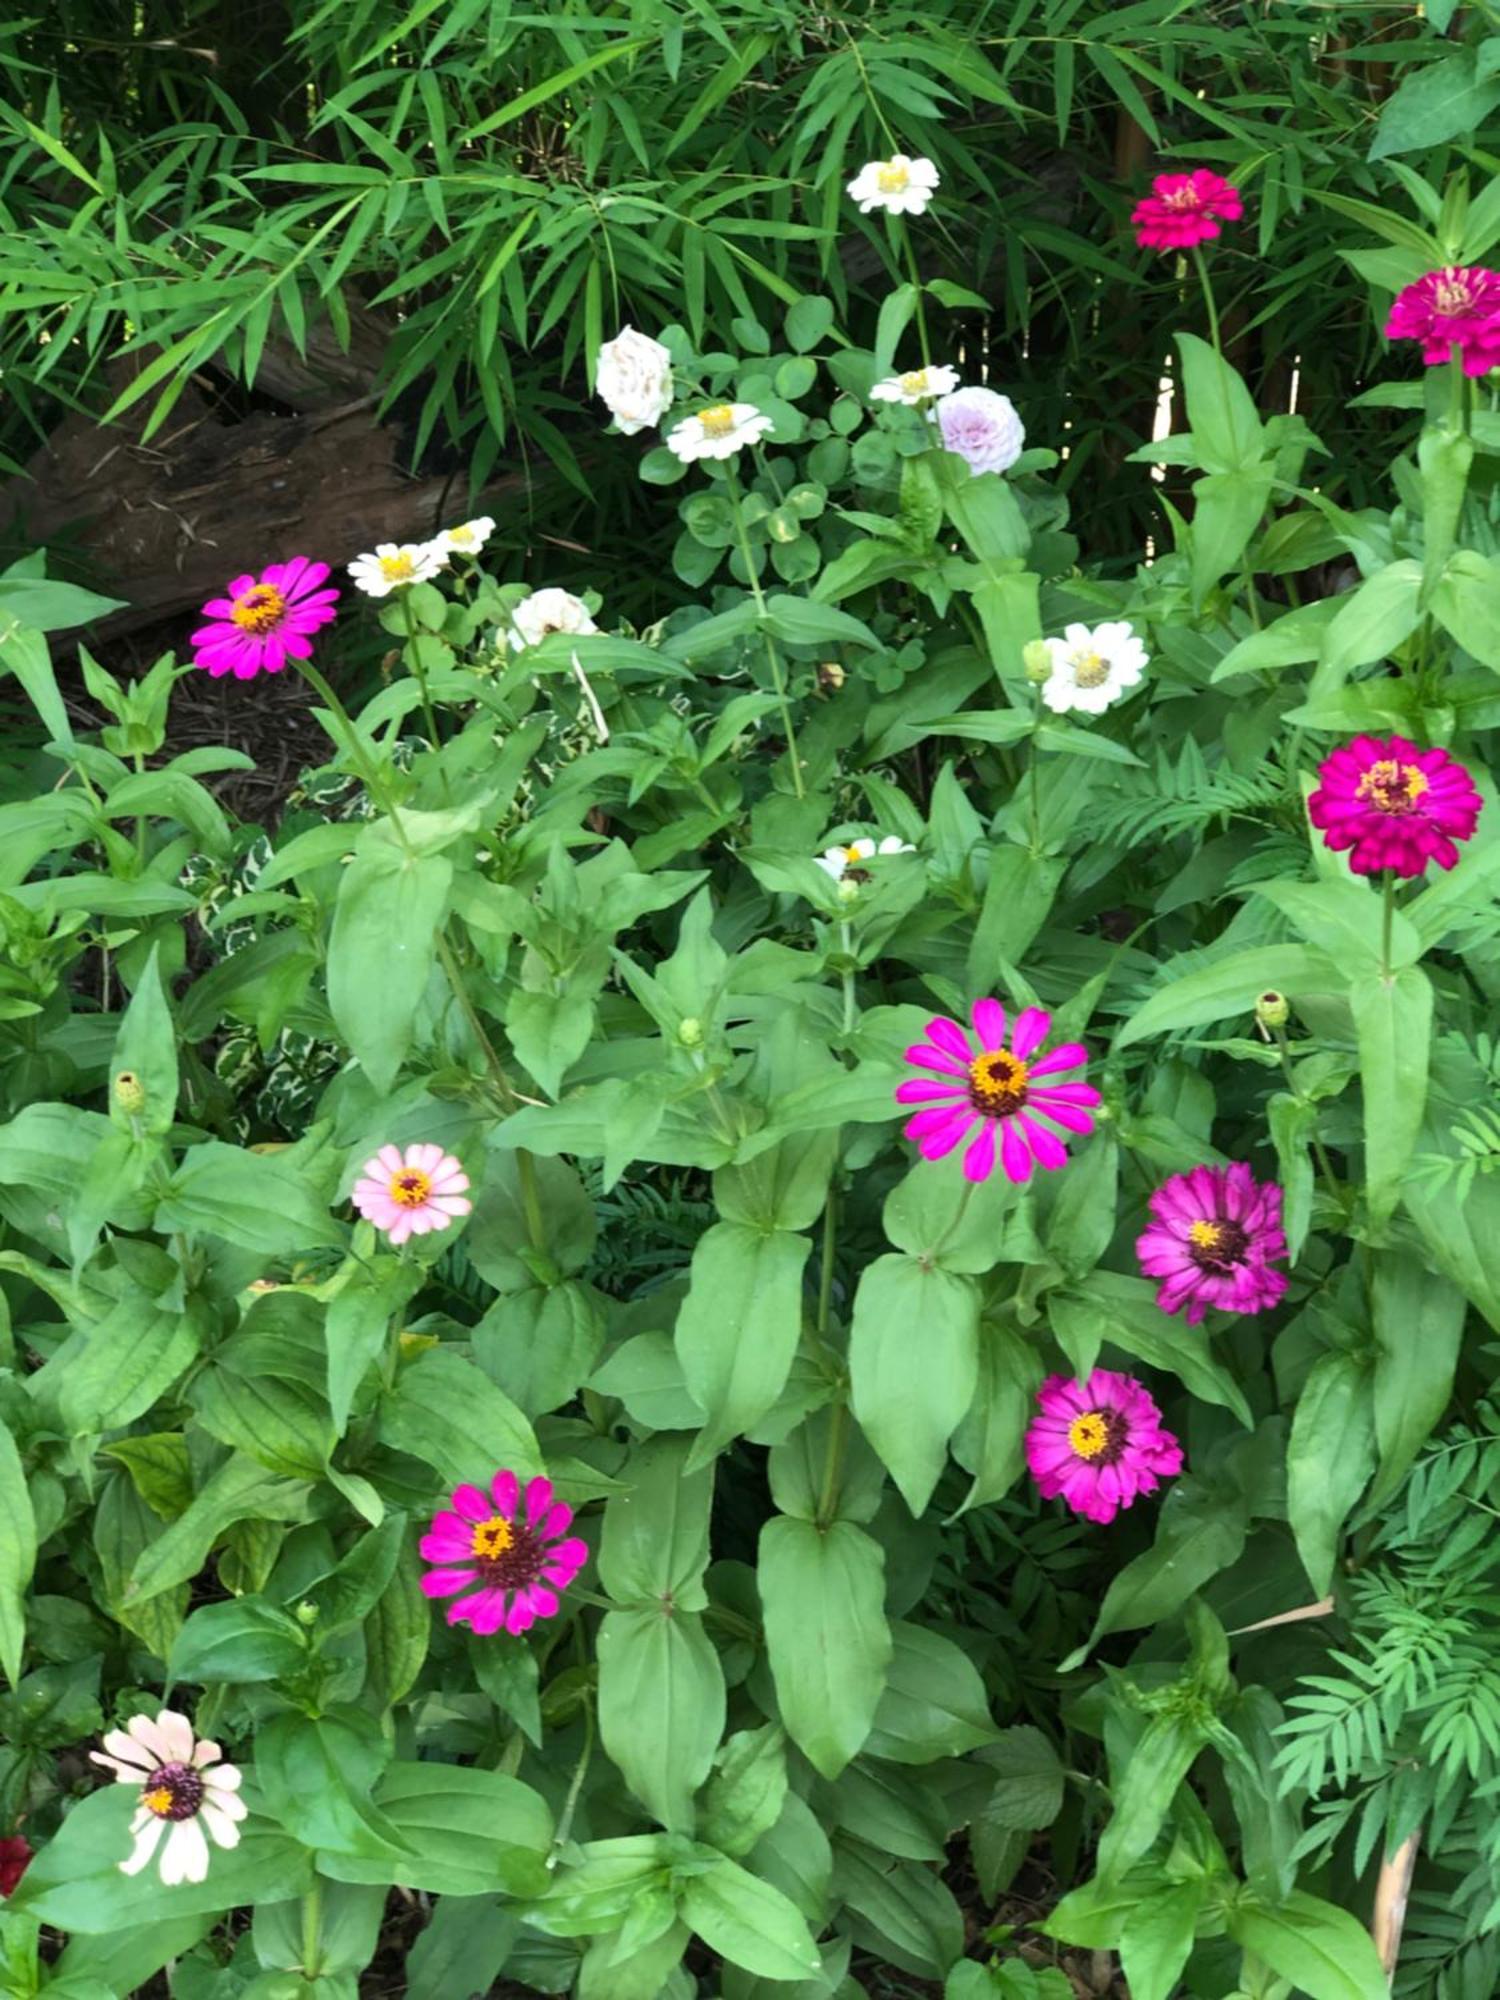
(1208, 299)
(373, 782)
(773, 659)
(846, 943)
(312, 1928)
(910, 250)
(415, 659)
(833, 1464)
(1319, 1150)
(1387, 913)
(1036, 780)
(575, 1786)
(531, 1203)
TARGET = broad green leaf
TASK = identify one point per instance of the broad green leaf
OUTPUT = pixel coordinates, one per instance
(1323, 1951)
(240, 1639)
(1432, 104)
(380, 949)
(465, 1832)
(933, 1704)
(1226, 425)
(739, 1326)
(1227, 510)
(1144, 1790)
(1393, 1022)
(1231, 986)
(444, 1411)
(133, 1356)
(1199, 1532)
(1419, 1324)
(913, 1366)
(654, 1543)
(1295, 637)
(1112, 1310)
(1330, 1455)
(318, 1773)
(748, 1922)
(539, 1345)
(823, 1593)
(661, 1705)
(239, 1491)
(1157, 1939)
(1029, 1779)
(1371, 623)
(253, 1200)
(747, 1790)
(17, 1555)
(145, 1056)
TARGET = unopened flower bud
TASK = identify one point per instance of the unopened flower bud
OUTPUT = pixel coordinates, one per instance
(690, 1032)
(848, 891)
(831, 676)
(1272, 1009)
(307, 1613)
(130, 1093)
(1037, 660)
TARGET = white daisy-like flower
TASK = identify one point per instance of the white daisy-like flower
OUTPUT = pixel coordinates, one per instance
(544, 612)
(915, 386)
(838, 861)
(394, 565)
(902, 185)
(718, 431)
(633, 380)
(1091, 669)
(468, 538)
(186, 1791)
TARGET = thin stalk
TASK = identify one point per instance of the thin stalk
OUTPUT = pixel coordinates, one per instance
(1208, 299)
(1387, 915)
(846, 944)
(910, 250)
(531, 1202)
(825, 1274)
(1319, 1150)
(415, 660)
(833, 1463)
(575, 1786)
(1036, 780)
(773, 659)
(373, 782)
(312, 1928)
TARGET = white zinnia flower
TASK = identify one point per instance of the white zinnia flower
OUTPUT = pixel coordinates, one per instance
(901, 185)
(467, 539)
(394, 565)
(982, 427)
(1091, 669)
(916, 386)
(718, 431)
(634, 379)
(836, 860)
(545, 612)
(184, 1789)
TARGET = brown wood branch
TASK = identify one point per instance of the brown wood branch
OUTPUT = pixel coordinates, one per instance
(1392, 1888)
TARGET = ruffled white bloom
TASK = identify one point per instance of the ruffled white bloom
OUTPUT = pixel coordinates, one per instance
(394, 565)
(544, 612)
(1091, 669)
(718, 431)
(902, 185)
(837, 860)
(467, 539)
(982, 427)
(185, 1792)
(634, 379)
(915, 386)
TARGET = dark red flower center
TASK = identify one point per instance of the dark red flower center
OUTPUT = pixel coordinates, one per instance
(1392, 787)
(1217, 1245)
(173, 1791)
(1099, 1437)
(507, 1554)
(998, 1083)
(259, 610)
(410, 1187)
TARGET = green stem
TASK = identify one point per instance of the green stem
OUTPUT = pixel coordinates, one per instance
(312, 1928)
(910, 250)
(414, 660)
(773, 660)
(1208, 299)
(1036, 780)
(1458, 402)
(833, 1463)
(1387, 914)
(373, 782)
(825, 1274)
(846, 945)
(1319, 1150)
(570, 1803)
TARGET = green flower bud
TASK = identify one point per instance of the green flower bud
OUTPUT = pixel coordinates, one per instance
(1037, 661)
(130, 1093)
(690, 1032)
(1272, 1009)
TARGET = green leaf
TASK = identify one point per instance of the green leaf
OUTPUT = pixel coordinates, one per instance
(241, 1639)
(318, 1773)
(1157, 1939)
(17, 1555)
(1330, 1454)
(1419, 1325)
(739, 1326)
(282, 1425)
(464, 1832)
(1028, 1791)
(823, 1593)
(381, 948)
(1432, 104)
(1227, 510)
(1231, 986)
(1343, 918)
(1370, 623)
(654, 1544)
(1226, 425)
(358, 1326)
(748, 1922)
(132, 1357)
(1122, 1312)
(933, 1704)
(1144, 1791)
(808, 322)
(800, 621)
(1393, 1022)
(1323, 1951)
(910, 1392)
(444, 1411)
(240, 1490)
(253, 1200)
(1297, 636)
(748, 1788)
(146, 1051)
(1198, 1533)
(661, 1705)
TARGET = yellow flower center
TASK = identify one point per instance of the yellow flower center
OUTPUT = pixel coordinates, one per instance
(1089, 1434)
(914, 384)
(157, 1800)
(399, 568)
(1451, 294)
(893, 179)
(491, 1538)
(462, 536)
(997, 1083)
(259, 610)
(852, 854)
(410, 1188)
(717, 420)
(1392, 787)
(1206, 1235)
(1090, 670)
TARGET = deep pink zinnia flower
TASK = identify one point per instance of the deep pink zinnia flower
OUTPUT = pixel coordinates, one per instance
(265, 620)
(15, 1857)
(1216, 1232)
(410, 1193)
(516, 1564)
(1458, 306)
(1394, 805)
(1098, 1443)
(1000, 1087)
(1184, 209)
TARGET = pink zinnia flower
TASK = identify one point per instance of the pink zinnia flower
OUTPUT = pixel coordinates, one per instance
(1004, 1088)
(1184, 209)
(1394, 805)
(516, 1565)
(1098, 1443)
(1216, 1232)
(406, 1194)
(1458, 306)
(265, 621)
(15, 1858)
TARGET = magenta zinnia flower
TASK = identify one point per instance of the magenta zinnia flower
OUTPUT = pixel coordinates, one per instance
(517, 1564)
(1394, 805)
(265, 621)
(1003, 1088)
(1098, 1443)
(1458, 306)
(1184, 209)
(1216, 1232)
(407, 1194)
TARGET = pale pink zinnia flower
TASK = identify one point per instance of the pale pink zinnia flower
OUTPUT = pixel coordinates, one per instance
(407, 1194)
(983, 428)
(1216, 1233)
(1005, 1088)
(185, 1790)
(1098, 1444)
(1184, 209)
(512, 1563)
(1393, 806)
(265, 621)
(1456, 307)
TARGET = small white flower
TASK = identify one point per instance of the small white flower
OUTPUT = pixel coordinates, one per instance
(394, 565)
(982, 427)
(634, 380)
(545, 612)
(1091, 669)
(467, 539)
(185, 1791)
(915, 386)
(837, 860)
(901, 185)
(718, 431)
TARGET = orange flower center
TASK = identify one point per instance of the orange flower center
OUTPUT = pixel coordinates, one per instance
(1392, 787)
(259, 610)
(997, 1083)
(893, 179)
(1089, 1434)
(717, 420)
(410, 1188)
(492, 1538)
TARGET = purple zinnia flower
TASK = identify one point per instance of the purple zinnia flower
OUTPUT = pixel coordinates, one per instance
(1215, 1235)
(1456, 307)
(1185, 209)
(516, 1562)
(265, 621)
(1098, 1444)
(1394, 805)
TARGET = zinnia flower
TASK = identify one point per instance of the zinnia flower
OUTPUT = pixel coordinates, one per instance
(182, 1783)
(1091, 669)
(1216, 1233)
(395, 565)
(839, 861)
(265, 621)
(1002, 1087)
(1396, 806)
(1099, 1443)
(982, 427)
(1184, 209)
(1455, 307)
(15, 1856)
(410, 1193)
(901, 185)
(634, 380)
(915, 386)
(468, 538)
(718, 431)
(544, 612)
(518, 1564)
